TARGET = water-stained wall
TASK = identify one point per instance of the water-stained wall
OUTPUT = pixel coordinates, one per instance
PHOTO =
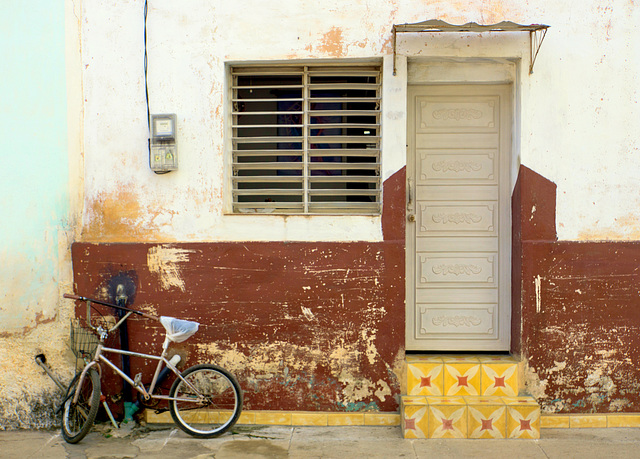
(579, 324)
(581, 136)
(303, 325)
(37, 207)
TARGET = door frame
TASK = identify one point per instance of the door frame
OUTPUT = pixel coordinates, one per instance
(498, 72)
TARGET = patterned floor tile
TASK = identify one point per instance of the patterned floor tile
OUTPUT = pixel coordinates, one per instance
(425, 378)
(414, 419)
(487, 417)
(462, 378)
(447, 417)
(523, 417)
(499, 379)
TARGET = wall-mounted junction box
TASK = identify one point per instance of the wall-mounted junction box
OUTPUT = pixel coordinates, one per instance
(163, 151)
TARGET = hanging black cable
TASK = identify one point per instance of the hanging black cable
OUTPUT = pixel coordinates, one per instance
(146, 89)
(146, 86)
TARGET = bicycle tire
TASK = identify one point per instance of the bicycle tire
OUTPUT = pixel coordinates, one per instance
(222, 406)
(78, 418)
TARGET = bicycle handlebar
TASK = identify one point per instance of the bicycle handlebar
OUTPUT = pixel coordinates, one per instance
(104, 303)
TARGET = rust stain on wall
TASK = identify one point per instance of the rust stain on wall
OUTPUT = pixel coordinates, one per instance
(386, 46)
(113, 217)
(119, 217)
(38, 319)
(109, 215)
(331, 43)
(627, 228)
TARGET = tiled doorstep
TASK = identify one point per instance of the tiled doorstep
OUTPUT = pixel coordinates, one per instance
(302, 418)
(470, 417)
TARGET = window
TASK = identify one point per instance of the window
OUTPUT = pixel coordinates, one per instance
(306, 139)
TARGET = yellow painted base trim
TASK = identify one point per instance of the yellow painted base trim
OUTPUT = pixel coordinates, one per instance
(582, 421)
(315, 418)
(298, 418)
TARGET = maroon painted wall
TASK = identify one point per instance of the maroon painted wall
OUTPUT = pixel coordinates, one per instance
(579, 313)
(303, 325)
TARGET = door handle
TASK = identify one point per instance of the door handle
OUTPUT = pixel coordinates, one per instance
(410, 216)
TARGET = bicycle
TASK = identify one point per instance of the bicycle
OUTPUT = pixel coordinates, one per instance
(205, 400)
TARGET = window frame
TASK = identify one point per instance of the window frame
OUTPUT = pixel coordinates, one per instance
(371, 159)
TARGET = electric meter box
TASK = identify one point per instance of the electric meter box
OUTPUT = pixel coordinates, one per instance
(163, 150)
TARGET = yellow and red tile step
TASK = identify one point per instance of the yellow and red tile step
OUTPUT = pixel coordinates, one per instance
(460, 375)
(466, 396)
(487, 417)
(523, 417)
(469, 416)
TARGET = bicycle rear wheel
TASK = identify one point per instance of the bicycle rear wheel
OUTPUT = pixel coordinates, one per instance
(213, 409)
(77, 418)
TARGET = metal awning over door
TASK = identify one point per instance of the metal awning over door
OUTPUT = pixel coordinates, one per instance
(537, 32)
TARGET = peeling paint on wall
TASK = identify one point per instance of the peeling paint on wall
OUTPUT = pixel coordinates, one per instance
(533, 384)
(331, 43)
(300, 332)
(293, 365)
(538, 282)
(164, 261)
(579, 317)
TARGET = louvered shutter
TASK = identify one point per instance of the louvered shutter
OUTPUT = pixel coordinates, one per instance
(306, 140)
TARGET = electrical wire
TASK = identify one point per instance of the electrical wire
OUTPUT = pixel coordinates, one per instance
(146, 85)
(146, 88)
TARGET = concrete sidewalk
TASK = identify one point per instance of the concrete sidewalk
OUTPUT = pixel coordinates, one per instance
(312, 442)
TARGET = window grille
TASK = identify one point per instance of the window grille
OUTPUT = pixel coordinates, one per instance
(306, 139)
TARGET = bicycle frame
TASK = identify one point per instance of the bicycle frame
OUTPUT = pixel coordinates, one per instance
(205, 400)
(137, 385)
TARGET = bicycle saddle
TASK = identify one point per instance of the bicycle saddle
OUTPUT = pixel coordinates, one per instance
(178, 330)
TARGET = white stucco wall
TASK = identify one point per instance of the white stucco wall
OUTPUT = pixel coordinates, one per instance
(577, 122)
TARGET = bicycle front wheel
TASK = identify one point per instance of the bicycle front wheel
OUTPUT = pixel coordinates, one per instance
(77, 418)
(207, 403)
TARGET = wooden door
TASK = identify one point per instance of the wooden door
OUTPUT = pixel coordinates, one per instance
(459, 212)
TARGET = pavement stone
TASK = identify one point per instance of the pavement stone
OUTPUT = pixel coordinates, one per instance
(248, 442)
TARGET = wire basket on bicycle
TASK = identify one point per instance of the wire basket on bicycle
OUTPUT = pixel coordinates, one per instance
(84, 341)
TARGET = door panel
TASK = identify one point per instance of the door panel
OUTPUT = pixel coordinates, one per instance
(441, 167)
(459, 230)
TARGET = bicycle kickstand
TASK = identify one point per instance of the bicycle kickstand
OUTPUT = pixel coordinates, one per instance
(103, 399)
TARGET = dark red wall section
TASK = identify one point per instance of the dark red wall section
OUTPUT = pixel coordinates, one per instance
(303, 325)
(320, 326)
(579, 313)
(533, 213)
